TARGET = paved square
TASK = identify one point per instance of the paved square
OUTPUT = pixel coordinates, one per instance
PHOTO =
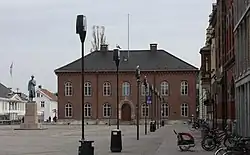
(63, 140)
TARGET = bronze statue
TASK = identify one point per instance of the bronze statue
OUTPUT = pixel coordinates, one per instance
(31, 88)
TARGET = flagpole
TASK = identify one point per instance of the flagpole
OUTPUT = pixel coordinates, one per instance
(128, 35)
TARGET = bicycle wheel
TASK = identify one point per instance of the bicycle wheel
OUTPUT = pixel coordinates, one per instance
(233, 153)
(229, 141)
(208, 143)
(220, 151)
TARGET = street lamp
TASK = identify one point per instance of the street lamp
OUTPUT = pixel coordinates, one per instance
(159, 104)
(116, 137)
(138, 76)
(145, 82)
(85, 147)
(161, 98)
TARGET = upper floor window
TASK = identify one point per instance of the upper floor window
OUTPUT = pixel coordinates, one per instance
(87, 89)
(164, 110)
(126, 89)
(68, 110)
(184, 88)
(106, 110)
(106, 89)
(68, 89)
(164, 88)
(37, 94)
(145, 110)
(143, 91)
(87, 110)
(42, 104)
(184, 110)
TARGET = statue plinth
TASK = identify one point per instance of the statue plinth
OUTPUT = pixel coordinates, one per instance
(31, 118)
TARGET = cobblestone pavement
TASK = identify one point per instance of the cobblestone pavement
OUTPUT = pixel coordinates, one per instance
(63, 140)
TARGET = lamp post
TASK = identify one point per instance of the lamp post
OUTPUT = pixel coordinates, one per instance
(159, 104)
(145, 82)
(161, 98)
(85, 147)
(138, 76)
(116, 137)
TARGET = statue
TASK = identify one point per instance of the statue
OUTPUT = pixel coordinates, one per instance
(31, 88)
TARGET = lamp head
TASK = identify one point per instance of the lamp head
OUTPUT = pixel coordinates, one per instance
(81, 24)
(138, 72)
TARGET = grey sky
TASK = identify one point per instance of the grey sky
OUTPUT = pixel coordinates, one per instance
(39, 35)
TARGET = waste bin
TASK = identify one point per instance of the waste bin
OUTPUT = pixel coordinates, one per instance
(152, 126)
(116, 141)
(162, 122)
(86, 148)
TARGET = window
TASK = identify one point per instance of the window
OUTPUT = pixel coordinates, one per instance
(87, 89)
(68, 110)
(37, 94)
(164, 110)
(143, 89)
(164, 88)
(145, 110)
(68, 89)
(87, 110)
(184, 88)
(42, 104)
(184, 110)
(106, 110)
(106, 89)
(126, 89)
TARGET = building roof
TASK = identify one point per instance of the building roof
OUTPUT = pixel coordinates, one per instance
(4, 91)
(147, 60)
(52, 96)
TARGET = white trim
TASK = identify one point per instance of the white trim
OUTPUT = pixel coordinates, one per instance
(41, 92)
(4, 99)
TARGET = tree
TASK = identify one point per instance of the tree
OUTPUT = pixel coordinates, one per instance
(99, 37)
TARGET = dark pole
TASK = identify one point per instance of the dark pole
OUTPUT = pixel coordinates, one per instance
(146, 105)
(160, 110)
(117, 95)
(138, 102)
(86, 147)
(158, 104)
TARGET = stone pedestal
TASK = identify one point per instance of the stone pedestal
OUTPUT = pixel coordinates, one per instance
(30, 118)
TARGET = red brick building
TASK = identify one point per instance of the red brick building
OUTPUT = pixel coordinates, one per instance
(174, 79)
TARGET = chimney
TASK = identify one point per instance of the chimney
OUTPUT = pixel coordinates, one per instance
(104, 47)
(153, 47)
(40, 86)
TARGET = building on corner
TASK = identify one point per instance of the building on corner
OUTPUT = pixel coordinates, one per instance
(174, 78)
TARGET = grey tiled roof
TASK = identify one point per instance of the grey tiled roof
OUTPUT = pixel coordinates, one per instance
(4, 91)
(148, 61)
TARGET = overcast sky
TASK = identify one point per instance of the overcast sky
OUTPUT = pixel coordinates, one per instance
(38, 36)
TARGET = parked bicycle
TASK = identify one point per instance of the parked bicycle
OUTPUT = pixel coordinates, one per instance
(215, 138)
(197, 124)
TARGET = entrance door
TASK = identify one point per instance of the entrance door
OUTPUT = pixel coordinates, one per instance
(126, 112)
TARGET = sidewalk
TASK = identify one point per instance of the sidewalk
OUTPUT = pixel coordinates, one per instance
(169, 146)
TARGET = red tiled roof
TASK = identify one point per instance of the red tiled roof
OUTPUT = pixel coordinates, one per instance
(49, 94)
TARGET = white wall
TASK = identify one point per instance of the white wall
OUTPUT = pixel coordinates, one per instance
(49, 105)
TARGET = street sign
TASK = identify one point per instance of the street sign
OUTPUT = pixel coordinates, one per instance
(149, 100)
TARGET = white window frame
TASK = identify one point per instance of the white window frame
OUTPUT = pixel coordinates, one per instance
(165, 110)
(145, 110)
(68, 110)
(143, 89)
(184, 110)
(164, 88)
(42, 104)
(125, 89)
(68, 89)
(87, 89)
(107, 110)
(107, 89)
(184, 88)
(87, 110)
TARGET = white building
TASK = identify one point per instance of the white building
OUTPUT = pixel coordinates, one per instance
(12, 105)
(46, 104)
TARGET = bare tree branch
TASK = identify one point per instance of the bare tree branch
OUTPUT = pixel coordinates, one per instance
(99, 37)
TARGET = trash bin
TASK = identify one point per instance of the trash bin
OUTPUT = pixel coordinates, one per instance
(116, 140)
(162, 122)
(86, 148)
(151, 127)
(154, 125)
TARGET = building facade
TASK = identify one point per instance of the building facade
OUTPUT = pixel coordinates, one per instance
(242, 73)
(174, 79)
(12, 104)
(46, 104)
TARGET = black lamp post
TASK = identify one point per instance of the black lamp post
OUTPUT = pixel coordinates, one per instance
(85, 147)
(145, 82)
(161, 110)
(116, 137)
(159, 105)
(138, 76)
